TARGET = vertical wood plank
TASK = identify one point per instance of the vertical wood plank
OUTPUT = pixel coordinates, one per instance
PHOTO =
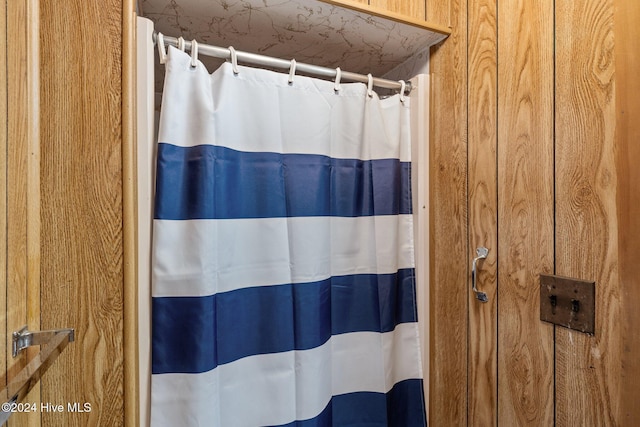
(32, 111)
(412, 8)
(22, 197)
(16, 177)
(483, 209)
(627, 64)
(82, 182)
(588, 368)
(525, 210)
(3, 191)
(440, 12)
(448, 220)
(129, 217)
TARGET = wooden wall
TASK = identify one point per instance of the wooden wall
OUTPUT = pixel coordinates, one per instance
(66, 217)
(20, 186)
(448, 228)
(525, 210)
(534, 144)
(482, 204)
(588, 368)
(85, 214)
(3, 182)
(627, 149)
(415, 9)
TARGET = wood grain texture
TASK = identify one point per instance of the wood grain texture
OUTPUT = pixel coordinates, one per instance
(592, 107)
(441, 12)
(525, 210)
(129, 217)
(3, 192)
(412, 8)
(587, 367)
(22, 197)
(82, 237)
(448, 221)
(434, 25)
(483, 209)
(32, 110)
(627, 64)
(16, 175)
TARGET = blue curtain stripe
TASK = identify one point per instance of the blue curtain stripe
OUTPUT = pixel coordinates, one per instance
(225, 327)
(213, 182)
(403, 406)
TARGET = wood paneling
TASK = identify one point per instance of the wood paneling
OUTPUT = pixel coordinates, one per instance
(415, 9)
(525, 210)
(412, 8)
(627, 66)
(16, 200)
(387, 10)
(3, 190)
(82, 221)
(448, 217)
(129, 217)
(22, 188)
(568, 202)
(483, 209)
(587, 367)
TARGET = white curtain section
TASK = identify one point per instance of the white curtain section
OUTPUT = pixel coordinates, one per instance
(283, 269)
(145, 158)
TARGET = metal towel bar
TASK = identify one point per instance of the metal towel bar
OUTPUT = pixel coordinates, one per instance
(29, 376)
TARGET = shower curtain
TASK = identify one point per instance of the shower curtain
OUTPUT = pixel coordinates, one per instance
(283, 260)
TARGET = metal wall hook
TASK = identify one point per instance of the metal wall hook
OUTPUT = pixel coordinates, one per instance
(481, 253)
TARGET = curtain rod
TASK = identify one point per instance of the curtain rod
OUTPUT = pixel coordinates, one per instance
(284, 64)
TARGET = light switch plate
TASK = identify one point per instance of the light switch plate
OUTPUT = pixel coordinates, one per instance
(568, 302)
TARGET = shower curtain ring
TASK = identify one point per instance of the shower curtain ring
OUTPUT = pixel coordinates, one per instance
(403, 86)
(162, 53)
(181, 43)
(292, 71)
(370, 85)
(234, 60)
(337, 87)
(194, 53)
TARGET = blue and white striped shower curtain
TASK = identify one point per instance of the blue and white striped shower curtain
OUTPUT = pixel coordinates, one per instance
(283, 260)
